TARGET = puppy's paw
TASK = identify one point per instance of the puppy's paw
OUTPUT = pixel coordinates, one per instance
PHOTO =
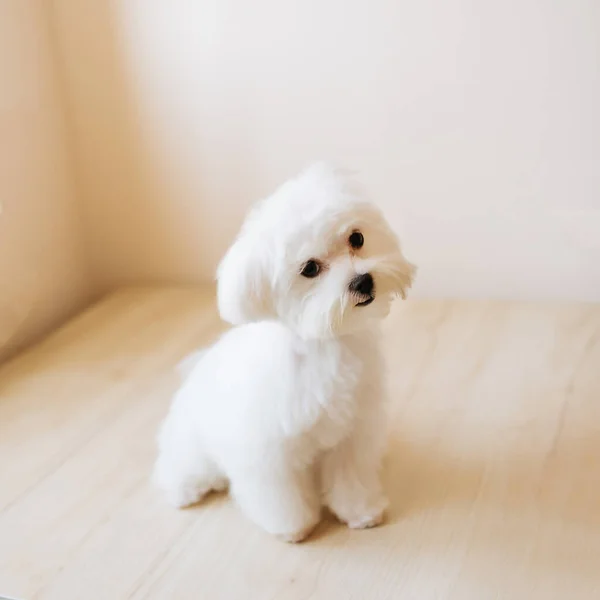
(185, 496)
(367, 521)
(193, 490)
(362, 513)
(297, 536)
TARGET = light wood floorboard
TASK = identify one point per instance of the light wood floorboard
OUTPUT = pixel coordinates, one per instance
(493, 469)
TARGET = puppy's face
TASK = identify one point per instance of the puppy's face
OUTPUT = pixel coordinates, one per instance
(317, 256)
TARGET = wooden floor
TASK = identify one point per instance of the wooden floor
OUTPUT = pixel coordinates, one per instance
(493, 473)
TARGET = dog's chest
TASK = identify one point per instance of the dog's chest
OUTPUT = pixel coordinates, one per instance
(331, 376)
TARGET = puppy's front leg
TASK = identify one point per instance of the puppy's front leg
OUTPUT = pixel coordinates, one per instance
(350, 480)
(281, 500)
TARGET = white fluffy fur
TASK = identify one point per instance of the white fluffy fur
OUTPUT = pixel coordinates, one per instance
(287, 408)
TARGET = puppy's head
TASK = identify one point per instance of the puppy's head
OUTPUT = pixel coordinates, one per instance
(315, 255)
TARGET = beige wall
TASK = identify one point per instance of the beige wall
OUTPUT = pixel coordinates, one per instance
(42, 273)
(134, 135)
(476, 126)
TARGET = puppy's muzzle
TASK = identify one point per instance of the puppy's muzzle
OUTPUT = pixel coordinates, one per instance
(363, 286)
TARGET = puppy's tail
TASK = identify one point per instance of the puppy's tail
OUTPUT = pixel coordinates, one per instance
(186, 365)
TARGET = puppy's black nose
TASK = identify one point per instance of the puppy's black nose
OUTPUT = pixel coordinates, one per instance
(362, 284)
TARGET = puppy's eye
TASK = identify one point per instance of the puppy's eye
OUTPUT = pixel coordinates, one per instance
(311, 269)
(356, 240)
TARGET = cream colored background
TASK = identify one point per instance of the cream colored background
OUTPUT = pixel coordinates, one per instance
(43, 276)
(136, 133)
(475, 125)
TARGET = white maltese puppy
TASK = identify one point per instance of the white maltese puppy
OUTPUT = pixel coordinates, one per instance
(287, 408)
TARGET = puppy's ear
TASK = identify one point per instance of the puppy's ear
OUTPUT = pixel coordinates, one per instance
(405, 276)
(243, 286)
